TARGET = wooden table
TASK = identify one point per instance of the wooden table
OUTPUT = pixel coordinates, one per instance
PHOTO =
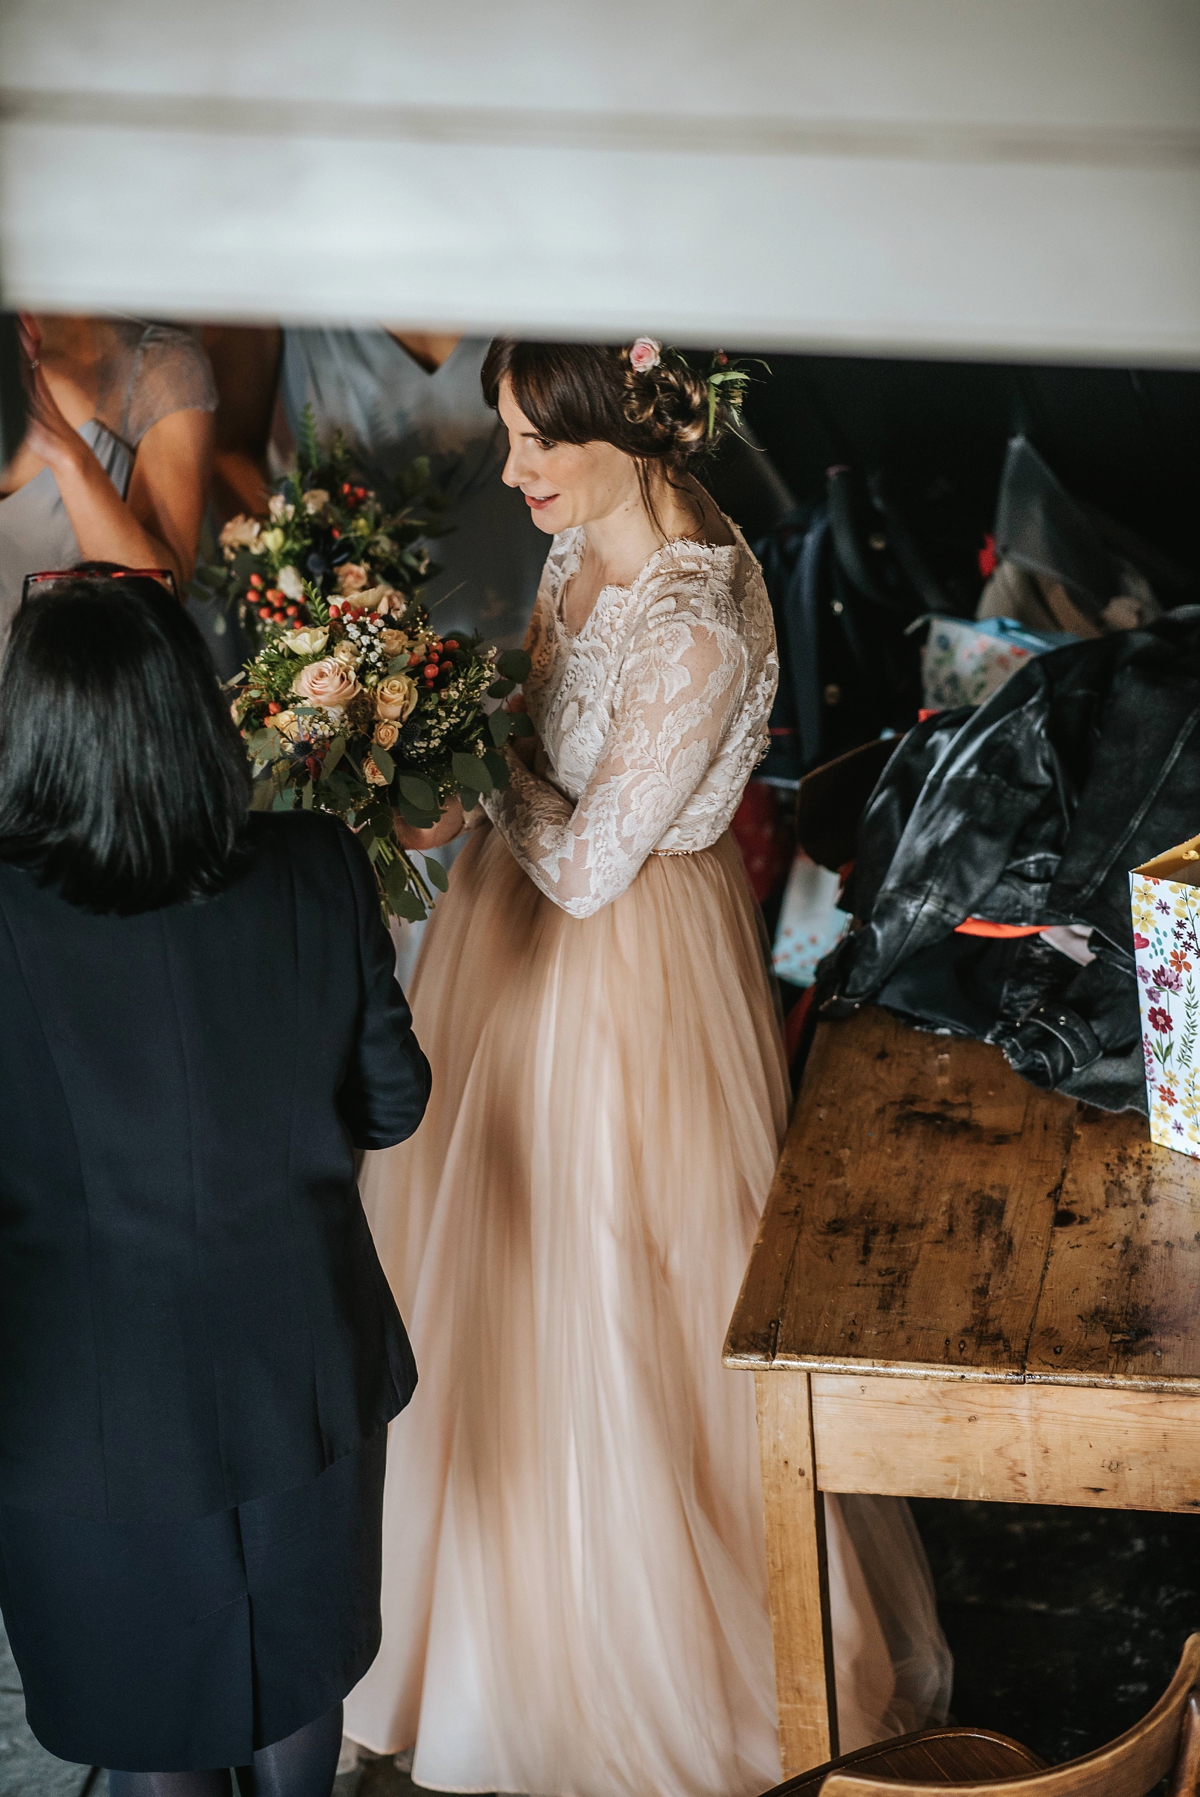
(963, 1287)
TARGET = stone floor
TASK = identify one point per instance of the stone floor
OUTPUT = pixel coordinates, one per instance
(1065, 1625)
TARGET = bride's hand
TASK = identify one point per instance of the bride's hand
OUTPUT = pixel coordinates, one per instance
(450, 825)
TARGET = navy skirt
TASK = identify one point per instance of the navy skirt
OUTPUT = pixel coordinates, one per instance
(178, 1646)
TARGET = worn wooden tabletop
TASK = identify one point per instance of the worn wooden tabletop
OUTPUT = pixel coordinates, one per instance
(934, 1215)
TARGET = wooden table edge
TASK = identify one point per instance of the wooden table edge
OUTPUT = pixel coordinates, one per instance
(1182, 1385)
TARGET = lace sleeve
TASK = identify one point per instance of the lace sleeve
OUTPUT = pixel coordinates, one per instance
(680, 679)
(160, 370)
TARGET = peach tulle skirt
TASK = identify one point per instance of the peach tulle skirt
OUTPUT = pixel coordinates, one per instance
(575, 1597)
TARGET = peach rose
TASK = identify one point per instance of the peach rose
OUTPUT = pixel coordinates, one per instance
(326, 683)
(347, 654)
(352, 577)
(315, 500)
(286, 723)
(396, 697)
(395, 642)
(374, 777)
(386, 734)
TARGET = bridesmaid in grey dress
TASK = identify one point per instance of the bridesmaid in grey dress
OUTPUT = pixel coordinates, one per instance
(115, 461)
(398, 397)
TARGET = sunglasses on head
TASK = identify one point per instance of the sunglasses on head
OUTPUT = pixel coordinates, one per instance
(47, 577)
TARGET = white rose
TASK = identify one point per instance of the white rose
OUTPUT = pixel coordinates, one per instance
(241, 533)
(315, 500)
(288, 581)
(279, 507)
(306, 642)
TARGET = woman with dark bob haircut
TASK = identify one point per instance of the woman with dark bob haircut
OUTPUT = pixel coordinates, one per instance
(575, 1596)
(199, 1353)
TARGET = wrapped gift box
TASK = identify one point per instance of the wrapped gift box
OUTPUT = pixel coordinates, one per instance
(1165, 900)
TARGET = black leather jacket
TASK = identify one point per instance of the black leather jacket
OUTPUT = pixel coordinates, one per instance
(1031, 809)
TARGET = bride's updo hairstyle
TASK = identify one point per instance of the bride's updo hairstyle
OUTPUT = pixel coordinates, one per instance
(123, 782)
(644, 400)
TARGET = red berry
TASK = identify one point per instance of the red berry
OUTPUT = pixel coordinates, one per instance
(335, 610)
(256, 580)
(431, 670)
(274, 707)
(335, 532)
(346, 487)
(413, 659)
(452, 644)
(293, 611)
(277, 617)
(264, 611)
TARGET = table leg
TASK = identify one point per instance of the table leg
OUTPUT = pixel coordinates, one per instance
(794, 1517)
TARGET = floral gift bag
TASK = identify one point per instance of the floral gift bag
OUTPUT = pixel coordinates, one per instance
(1165, 896)
(965, 660)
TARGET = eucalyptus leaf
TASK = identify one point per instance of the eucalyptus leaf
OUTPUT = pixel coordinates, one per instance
(513, 664)
(470, 771)
(500, 689)
(500, 725)
(306, 795)
(436, 874)
(383, 762)
(337, 749)
(416, 815)
(418, 792)
(522, 724)
(408, 905)
(264, 745)
(496, 766)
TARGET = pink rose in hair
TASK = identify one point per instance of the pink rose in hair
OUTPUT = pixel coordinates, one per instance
(645, 355)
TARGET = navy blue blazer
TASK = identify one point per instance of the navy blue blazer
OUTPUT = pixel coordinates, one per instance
(192, 1312)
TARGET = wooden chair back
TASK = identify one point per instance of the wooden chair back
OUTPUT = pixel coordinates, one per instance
(1166, 1740)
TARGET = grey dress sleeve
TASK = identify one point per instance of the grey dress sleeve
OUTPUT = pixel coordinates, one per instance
(151, 371)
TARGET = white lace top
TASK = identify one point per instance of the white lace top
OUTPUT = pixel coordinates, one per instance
(651, 719)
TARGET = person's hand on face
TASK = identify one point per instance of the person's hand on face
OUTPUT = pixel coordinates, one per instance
(47, 433)
(565, 483)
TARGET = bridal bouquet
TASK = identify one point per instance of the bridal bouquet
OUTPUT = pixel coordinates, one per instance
(354, 703)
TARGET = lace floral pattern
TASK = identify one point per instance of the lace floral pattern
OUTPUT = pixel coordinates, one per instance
(651, 718)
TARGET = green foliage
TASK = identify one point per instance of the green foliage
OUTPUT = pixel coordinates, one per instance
(471, 772)
(436, 874)
(513, 664)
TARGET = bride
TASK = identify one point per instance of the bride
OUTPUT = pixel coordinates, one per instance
(575, 1593)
